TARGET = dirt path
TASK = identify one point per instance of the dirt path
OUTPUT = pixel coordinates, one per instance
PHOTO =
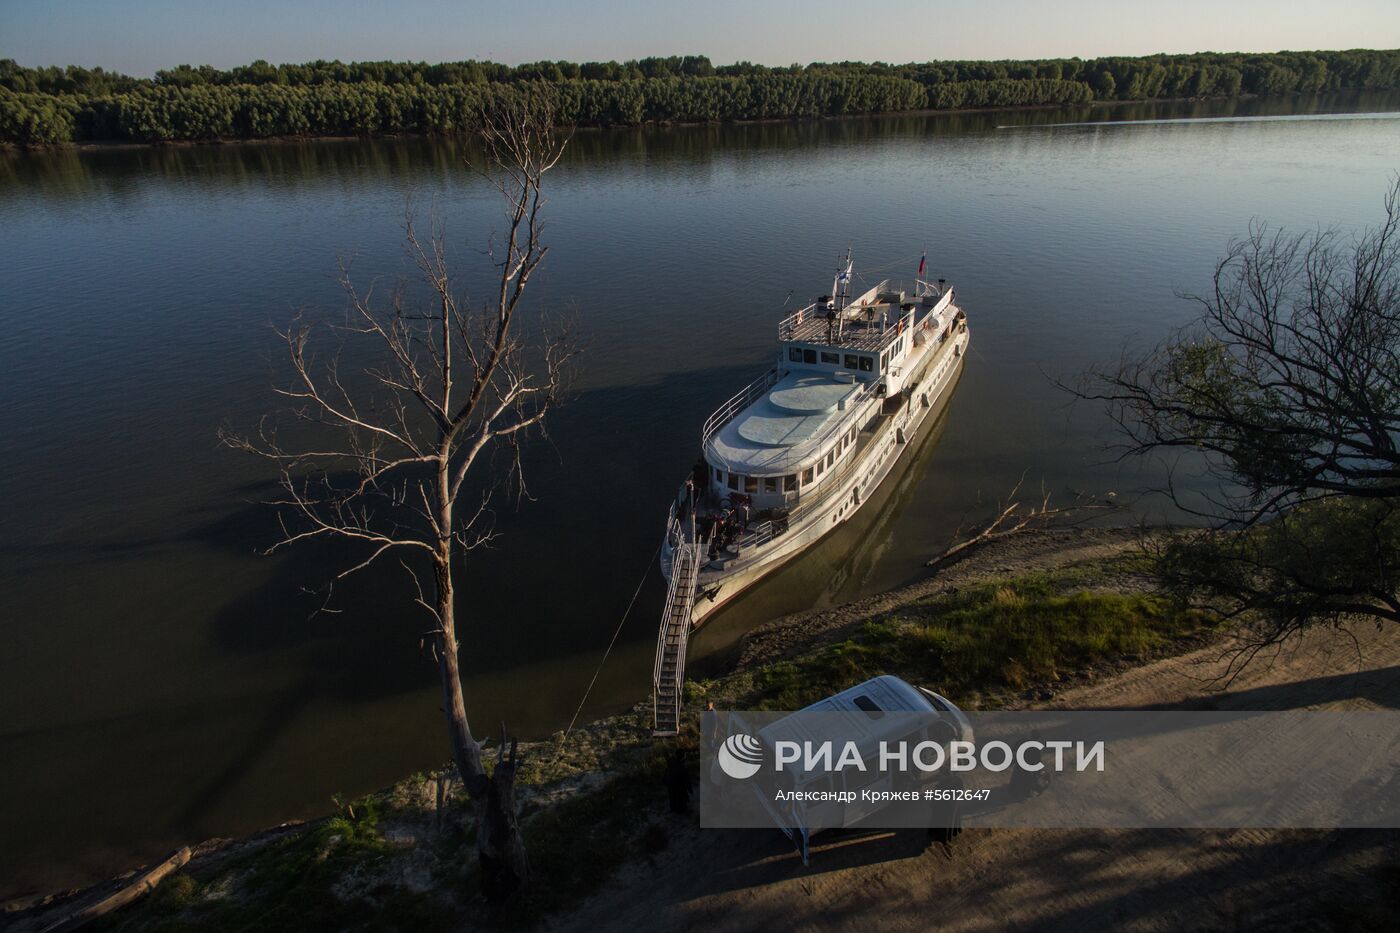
(1041, 879)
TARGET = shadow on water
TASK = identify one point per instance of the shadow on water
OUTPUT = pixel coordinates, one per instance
(525, 580)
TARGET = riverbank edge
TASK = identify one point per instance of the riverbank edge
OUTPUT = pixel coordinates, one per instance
(560, 768)
(107, 145)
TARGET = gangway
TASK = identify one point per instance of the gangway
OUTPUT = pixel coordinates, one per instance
(668, 676)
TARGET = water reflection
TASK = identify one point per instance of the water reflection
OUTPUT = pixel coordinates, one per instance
(120, 171)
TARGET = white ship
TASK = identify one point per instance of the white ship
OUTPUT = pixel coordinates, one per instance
(802, 448)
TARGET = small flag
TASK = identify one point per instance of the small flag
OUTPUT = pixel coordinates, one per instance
(922, 262)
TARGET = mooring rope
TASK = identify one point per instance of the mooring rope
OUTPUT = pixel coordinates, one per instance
(623, 621)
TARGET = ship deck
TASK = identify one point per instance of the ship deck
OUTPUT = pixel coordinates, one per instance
(857, 333)
(781, 431)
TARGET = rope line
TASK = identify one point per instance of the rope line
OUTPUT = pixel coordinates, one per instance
(873, 270)
(868, 276)
(618, 631)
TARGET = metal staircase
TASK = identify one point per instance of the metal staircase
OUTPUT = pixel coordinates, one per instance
(668, 676)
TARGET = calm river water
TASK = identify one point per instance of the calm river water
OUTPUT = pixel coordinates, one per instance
(160, 682)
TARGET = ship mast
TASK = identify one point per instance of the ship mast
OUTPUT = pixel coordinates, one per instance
(840, 291)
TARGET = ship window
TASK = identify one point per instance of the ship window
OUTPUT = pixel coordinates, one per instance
(884, 362)
(809, 356)
(750, 484)
(831, 457)
(795, 354)
(770, 484)
(833, 358)
(866, 364)
(734, 481)
(853, 434)
(821, 467)
(719, 475)
(807, 477)
(852, 361)
(790, 483)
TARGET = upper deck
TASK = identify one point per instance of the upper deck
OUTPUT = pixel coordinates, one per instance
(870, 323)
(786, 427)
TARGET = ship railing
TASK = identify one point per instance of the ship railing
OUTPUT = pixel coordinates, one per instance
(679, 603)
(859, 334)
(673, 527)
(788, 324)
(746, 397)
(682, 650)
(922, 289)
(673, 532)
(758, 536)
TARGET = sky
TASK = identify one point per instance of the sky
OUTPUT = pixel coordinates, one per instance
(140, 36)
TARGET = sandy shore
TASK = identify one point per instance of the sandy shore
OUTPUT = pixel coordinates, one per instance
(1037, 879)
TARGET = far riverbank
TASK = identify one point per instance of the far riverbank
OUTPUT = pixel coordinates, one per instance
(1217, 107)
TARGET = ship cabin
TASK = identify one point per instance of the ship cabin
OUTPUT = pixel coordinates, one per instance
(798, 426)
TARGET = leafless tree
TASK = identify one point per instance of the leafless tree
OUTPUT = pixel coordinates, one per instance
(401, 458)
(1286, 390)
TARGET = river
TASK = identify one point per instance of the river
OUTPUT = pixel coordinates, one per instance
(161, 682)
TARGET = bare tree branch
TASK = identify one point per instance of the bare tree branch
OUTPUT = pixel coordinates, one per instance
(382, 458)
(1013, 517)
(1285, 393)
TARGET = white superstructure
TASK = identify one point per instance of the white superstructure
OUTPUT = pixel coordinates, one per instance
(803, 447)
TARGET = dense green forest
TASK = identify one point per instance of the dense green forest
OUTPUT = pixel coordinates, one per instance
(40, 106)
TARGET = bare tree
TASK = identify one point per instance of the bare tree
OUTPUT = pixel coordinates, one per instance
(1287, 391)
(403, 457)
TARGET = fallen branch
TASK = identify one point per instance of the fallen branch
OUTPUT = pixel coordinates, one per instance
(1014, 519)
(142, 886)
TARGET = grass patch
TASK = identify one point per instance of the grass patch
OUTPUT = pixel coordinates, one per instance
(1008, 635)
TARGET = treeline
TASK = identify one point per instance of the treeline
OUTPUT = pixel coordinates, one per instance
(252, 111)
(57, 105)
